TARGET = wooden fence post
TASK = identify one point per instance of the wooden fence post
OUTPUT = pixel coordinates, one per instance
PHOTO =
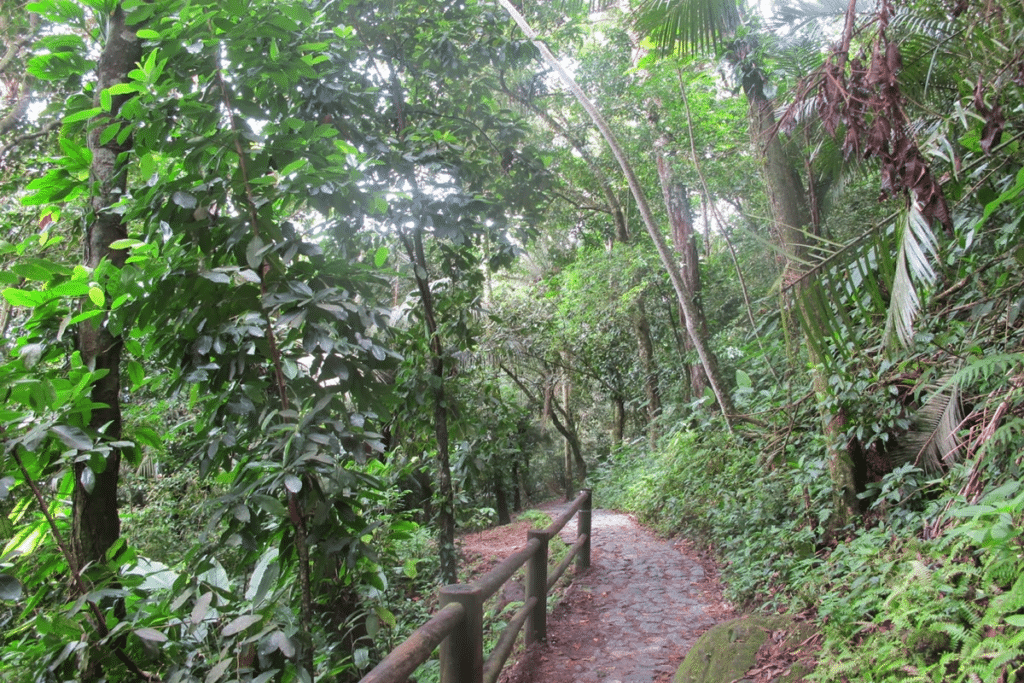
(462, 652)
(583, 526)
(537, 587)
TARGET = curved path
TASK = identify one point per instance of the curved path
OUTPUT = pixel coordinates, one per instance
(631, 617)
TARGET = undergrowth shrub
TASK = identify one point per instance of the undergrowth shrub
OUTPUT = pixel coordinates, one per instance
(716, 489)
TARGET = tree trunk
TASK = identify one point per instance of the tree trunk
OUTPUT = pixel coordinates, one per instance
(684, 240)
(445, 490)
(501, 500)
(645, 346)
(618, 420)
(792, 217)
(95, 522)
(567, 446)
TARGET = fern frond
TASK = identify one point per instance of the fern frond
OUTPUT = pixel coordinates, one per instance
(997, 365)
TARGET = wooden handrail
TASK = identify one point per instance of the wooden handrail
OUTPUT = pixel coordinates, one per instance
(458, 625)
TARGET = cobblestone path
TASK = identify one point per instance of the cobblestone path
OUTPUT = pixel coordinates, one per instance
(632, 617)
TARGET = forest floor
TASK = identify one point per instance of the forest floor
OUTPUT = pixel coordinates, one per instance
(630, 618)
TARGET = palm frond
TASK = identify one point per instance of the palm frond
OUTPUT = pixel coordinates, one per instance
(689, 26)
(931, 442)
(798, 15)
(917, 248)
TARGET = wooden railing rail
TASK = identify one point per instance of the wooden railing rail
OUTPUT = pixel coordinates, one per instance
(458, 625)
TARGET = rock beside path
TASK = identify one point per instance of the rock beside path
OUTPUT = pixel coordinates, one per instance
(729, 651)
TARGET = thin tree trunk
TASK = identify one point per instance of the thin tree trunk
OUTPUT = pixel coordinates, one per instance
(445, 490)
(618, 420)
(95, 522)
(792, 217)
(645, 346)
(683, 239)
(567, 449)
(700, 343)
(501, 500)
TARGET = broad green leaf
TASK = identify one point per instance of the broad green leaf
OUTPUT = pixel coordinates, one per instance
(150, 634)
(202, 607)
(83, 115)
(10, 588)
(217, 672)
(96, 296)
(70, 288)
(240, 624)
(126, 244)
(742, 379)
(294, 166)
(253, 253)
(263, 577)
(73, 437)
(380, 257)
(24, 298)
(183, 199)
(293, 483)
(88, 480)
(284, 644)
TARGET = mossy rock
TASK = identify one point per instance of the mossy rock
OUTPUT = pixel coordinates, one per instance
(726, 652)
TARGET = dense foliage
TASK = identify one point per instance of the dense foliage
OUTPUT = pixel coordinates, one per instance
(294, 290)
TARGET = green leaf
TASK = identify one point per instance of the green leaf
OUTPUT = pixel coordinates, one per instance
(88, 480)
(73, 437)
(294, 166)
(79, 155)
(109, 133)
(253, 253)
(148, 437)
(123, 88)
(293, 483)
(106, 101)
(202, 607)
(150, 634)
(217, 672)
(380, 257)
(283, 643)
(148, 34)
(263, 577)
(10, 588)
(1015, 620)
(82, 115)
(70, 288)
(96, 296)
(24, 298)
(240, 624)
(743, 379)
(185, 200)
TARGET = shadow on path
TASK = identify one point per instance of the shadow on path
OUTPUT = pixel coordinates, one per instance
(632, 617)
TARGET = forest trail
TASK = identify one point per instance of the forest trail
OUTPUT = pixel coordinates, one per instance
(630, 618)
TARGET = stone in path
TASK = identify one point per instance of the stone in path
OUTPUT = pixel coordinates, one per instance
(632, 617)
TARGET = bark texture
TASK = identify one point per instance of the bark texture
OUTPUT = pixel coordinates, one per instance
(680, 219)
(95, 522)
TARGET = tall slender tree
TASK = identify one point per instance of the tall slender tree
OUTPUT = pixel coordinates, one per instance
(95, 522)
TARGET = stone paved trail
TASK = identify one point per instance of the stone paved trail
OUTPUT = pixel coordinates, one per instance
(632, 617)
